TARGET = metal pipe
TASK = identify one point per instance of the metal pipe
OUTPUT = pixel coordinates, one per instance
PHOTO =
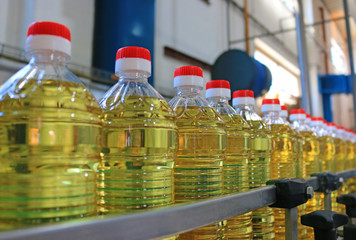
(323, 30)
(247, 28)
(284, 30)
(228, 23)
(152, 224)
(327, 201)
(291, 218)
(351, 58)
(303, 57)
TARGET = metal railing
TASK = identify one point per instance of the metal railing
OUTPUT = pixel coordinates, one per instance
(168, 221)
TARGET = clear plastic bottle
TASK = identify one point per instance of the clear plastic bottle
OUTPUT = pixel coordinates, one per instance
(326, 144)
(350, 150)
(308, 120)
(50, 136)
(328, 148)
(340, 149)
(352, 183)
(285, 157)
(201, 147)
(284, 114)
(310, 158)
(140, 140)
(259, 162)
(333, 132)
(237, 154)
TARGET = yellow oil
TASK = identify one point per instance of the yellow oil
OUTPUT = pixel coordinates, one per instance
(49, 147)
(199, 166)
(352, 182)
(328, 153)
(236, 177)
(285, 153)
(350, 155)
(259, 174)
(311, 164)
(340, 151)
(139, 149)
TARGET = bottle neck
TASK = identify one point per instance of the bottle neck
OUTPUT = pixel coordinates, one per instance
(246, 107)
(133, 76)
(188, 90)
(218, 100)
(271, 114)
(45, 57)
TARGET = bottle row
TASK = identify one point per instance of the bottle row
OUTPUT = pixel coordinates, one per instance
(66, 156)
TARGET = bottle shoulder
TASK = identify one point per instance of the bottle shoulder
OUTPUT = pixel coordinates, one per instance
(124, 91)
(50, 98)
(138, 108)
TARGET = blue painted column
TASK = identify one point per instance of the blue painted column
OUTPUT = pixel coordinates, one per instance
(121, 23)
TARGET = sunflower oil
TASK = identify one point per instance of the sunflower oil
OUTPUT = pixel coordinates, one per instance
(236, 177)
(50, 137)
(201, 148)
(310, 149)
(285, 154)
(259, 162)
(140, 138)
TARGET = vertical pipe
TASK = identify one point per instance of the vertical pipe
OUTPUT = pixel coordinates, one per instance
(291, 216)
(327, 201)
(323, 30)
(351, 57)
(247, 28)
(303, 57)
(228, 4)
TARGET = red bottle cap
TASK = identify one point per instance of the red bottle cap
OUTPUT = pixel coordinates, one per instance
(218, 84)
(188, 71)
(133, 52)
(297, 111)
(49, 28)
(243, 93)
(317, 119)
(270, 101)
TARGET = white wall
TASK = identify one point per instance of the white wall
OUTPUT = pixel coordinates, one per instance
(200, 30)
(78, 15)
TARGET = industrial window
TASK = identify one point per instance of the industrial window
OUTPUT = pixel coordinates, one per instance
(285, 76)
(338, 58)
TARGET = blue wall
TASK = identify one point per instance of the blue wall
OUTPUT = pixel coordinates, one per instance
(120, 23)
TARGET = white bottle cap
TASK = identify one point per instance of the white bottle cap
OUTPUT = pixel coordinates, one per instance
(284, 111)
(316, 121)
(133, 59)
(243, 97)
(269, 105)
(218, 88)
(188, 76)
(297, 114)
(48, 36)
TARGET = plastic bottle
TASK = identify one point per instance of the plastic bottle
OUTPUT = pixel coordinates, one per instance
(310, 157)
(259, 162)
(327, 145)
(333, 132)
(50, 136)
(352, 184)
(285, 156)
(201, 147)
(284, 114)
(308, 120)
(140, 140)
(237, 154)
(349, 150)
(340, 149)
